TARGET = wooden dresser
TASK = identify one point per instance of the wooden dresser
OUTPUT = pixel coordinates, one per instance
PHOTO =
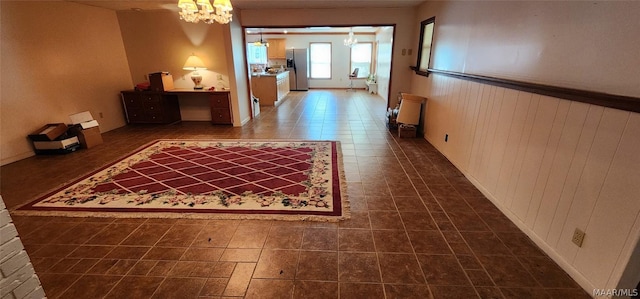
(150, 107)
(162, 107)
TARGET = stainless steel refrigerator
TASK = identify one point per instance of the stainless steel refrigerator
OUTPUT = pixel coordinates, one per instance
(297, 65)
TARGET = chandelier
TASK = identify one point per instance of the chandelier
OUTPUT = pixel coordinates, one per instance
(261, 42)
(219, 12)
(349, 42)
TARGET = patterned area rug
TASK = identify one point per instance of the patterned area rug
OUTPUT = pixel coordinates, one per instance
(233, 179)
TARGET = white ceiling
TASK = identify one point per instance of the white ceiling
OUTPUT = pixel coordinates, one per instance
(254, 4)
(265, 4)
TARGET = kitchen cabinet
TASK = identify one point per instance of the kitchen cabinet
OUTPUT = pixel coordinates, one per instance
(271, 89)
(150, 107)
(276, 48)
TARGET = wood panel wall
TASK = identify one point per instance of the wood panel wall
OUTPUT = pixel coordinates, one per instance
(550, 165)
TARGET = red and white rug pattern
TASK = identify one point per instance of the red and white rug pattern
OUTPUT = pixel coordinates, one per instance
(210, 179)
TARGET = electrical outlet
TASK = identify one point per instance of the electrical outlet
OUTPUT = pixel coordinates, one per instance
(578, 237)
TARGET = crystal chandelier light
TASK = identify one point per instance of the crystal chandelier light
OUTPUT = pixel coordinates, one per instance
(349, 42)
(219, 12)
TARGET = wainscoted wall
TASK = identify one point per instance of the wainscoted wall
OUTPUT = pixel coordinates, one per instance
(550, 165)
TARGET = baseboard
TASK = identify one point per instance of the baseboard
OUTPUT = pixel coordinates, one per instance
(16, 158)
(244, 122)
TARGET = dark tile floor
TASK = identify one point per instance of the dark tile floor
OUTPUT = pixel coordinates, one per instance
(419, 229)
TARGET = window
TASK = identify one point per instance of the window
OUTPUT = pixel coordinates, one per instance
(424, 47)
(361, 54)
(256, 54)
(320, 56)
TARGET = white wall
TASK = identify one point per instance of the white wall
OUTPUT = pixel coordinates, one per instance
(579, 44)
(58, 58)
(384, 38)
(237, 65)
(340, 53)
(550, 165)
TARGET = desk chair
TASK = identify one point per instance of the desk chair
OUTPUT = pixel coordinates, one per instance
(353, 76)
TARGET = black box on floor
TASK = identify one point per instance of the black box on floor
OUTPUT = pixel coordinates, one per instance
(48, 132)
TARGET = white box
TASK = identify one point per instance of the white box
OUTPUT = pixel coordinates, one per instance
(57, 144)
(84, 119)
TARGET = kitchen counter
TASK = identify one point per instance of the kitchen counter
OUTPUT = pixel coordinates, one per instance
(265, 74)
(270, 88)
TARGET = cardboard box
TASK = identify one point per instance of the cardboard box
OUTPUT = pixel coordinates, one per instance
(86, 129)
(48, 132)
(90, 137)
(161, 81)
(407, 131)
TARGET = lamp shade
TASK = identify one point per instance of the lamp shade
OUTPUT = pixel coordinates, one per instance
(409, 112)
(194, 63)
(206, 5)
(188, 5)
(225, 5)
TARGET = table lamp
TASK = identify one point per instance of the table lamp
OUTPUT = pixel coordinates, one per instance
(194, 63)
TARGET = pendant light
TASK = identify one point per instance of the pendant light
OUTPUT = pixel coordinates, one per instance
(261, 42)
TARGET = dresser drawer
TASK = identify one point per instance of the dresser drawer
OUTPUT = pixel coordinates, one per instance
(156, 117)
(219, 100)
(221, 116)
(131, 99)
(135, 114)
(151, 99)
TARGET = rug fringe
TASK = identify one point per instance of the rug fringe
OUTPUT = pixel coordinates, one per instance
(167, 215)
(346, 205)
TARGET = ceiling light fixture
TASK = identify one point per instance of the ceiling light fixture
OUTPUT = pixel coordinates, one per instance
(261, 42)
(349, 42)
(219, 12)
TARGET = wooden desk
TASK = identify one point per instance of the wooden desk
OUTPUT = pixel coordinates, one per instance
(163, 106)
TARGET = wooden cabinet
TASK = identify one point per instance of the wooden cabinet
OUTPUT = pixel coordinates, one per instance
(220, 103)
(276, 48)
(270, 89)
(150, 107)
(282, 83)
